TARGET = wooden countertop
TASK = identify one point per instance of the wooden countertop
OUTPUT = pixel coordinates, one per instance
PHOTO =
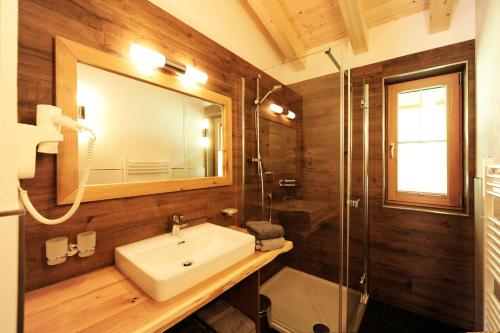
(107, 301)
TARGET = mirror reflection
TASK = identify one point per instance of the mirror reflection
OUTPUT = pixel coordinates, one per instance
(279, 142)
(146, 132)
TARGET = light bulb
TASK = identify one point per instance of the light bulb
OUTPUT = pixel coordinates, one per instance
(145, 57)
(290, 114)
(205, 124)
(275, 108)
(195, 75)
(205, 142)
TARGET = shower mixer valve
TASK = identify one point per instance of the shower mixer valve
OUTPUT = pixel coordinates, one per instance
(288, 182)
(353, 203)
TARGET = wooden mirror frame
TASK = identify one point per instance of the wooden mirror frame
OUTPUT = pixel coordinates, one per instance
(68, 54)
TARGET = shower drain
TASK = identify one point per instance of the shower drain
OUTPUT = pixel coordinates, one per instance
(320, 328)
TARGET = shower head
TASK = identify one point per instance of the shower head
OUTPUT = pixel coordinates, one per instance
(276, 88)
(273, 90)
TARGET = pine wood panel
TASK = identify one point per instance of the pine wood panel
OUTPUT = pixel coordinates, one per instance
(111, 26)
(280, 29)
(355, 23)
(422, 262)
(378, 12)
(440, 13)
(317, 22)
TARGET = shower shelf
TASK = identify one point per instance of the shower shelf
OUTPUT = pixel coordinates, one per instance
(301, 218)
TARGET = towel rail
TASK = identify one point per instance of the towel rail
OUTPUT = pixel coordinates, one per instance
(493, 311)
(492, 248)
(13, 212)
(144, 167)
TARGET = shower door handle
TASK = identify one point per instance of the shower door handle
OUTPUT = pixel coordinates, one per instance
(391, 150)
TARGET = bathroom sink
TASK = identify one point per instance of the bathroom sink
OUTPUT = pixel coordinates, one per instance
(166, 265)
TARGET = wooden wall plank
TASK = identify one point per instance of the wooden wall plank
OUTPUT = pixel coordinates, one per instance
(419, 261)
(111, 26)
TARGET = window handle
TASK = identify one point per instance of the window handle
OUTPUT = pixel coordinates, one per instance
(391, 150)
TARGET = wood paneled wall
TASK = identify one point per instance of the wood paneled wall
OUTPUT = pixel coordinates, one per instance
(112, 26)
(418, 261)
(316, 251)
(270, 151)
(422, 262)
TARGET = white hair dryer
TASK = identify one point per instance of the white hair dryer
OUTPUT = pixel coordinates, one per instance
(46, 135)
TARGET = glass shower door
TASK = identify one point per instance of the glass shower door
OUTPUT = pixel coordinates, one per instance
(356, 201)
(305, 182)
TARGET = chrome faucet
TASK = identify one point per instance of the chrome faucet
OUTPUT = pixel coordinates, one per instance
(178, 224)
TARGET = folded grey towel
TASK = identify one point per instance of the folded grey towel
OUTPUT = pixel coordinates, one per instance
(223, 318)
(265, 230)
(270, 244)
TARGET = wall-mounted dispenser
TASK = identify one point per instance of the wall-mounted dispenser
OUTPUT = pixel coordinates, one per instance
(44, 137)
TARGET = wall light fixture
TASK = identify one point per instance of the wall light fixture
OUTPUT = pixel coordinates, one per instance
(147, 58)
(276, 108)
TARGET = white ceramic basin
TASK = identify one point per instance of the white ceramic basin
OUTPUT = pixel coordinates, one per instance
(164, 266)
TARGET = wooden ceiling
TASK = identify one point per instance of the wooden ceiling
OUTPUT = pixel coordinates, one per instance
(303, 24)
(317, 22)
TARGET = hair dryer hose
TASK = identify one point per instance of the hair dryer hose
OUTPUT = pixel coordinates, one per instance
(79, 194)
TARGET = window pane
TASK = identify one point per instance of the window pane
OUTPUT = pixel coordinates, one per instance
(409, 116)
(422, 115)
(422, 167)
(433, 122)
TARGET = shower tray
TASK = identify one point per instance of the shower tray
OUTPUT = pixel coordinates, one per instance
(300, 300)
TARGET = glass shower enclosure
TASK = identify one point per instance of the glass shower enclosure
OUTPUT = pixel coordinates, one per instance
(305, 167)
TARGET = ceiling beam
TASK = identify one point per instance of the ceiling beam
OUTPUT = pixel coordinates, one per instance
(355, 24)
(440, 12)
(271, 15)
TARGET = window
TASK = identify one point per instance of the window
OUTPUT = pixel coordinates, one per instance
(424, 142)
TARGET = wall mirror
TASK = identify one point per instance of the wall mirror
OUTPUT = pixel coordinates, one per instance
(155, 133)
